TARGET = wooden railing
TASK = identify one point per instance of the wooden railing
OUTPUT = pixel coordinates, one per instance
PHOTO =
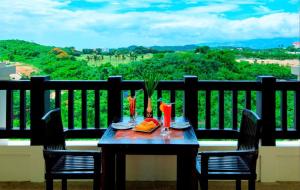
(35, 97)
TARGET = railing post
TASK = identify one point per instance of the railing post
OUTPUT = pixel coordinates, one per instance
(115, 99)
(265, 106)
(39, 105)
(191, 100)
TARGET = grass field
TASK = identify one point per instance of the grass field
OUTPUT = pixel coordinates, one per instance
(113, 59)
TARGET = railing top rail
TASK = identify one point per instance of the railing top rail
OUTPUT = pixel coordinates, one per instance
(287, 85)
(14, 85)
(76, 85)
(138, 84)
(228, 85)
(162, 85)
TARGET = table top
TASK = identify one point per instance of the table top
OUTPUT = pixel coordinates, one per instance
(125, 138)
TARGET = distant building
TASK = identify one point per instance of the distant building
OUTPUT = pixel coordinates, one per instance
(106, 50)
(6, 70)
(296, 44)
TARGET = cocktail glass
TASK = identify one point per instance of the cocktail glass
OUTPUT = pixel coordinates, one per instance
(132, 110)
(167, 110)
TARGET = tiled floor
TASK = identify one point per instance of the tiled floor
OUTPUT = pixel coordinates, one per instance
(150, 186)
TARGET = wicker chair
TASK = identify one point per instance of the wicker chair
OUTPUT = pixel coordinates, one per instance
(233, 165)
(66, 164)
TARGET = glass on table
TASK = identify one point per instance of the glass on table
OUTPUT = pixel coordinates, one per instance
(132, 109)
(167, 110)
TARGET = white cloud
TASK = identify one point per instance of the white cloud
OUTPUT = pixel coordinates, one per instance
(49, 22)
(295, 2)
(131, 3)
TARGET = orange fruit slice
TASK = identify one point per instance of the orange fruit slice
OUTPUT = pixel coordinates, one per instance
(162, 106)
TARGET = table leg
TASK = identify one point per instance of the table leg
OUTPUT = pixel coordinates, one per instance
(108, 169)
(186, 171)
(121, 171)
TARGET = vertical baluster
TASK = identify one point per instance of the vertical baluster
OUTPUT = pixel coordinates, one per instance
(297, 112)
(207, 109)
(132, 93)
(265, 108)
(248, 99)
(114, 99)
(191, 100)
(9, 109)
(159, 96)
(234, 109)
(83, 109)
(39, 105)
(22, 109)
(221, 109)
(172, 99)
(97, 109)
(71, 109)
(57, 99)
(283, 110)
(145, 103)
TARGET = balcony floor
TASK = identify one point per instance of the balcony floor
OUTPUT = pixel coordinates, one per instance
(149, 186)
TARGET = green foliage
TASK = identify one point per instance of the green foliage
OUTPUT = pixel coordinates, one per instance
(202, 49)
(151, 80)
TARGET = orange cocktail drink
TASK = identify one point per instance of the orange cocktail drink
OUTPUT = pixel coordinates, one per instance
(167, 115)
(132, 108)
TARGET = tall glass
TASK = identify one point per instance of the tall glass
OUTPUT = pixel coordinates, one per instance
(132, 109)
(167, 110)
(167, 115)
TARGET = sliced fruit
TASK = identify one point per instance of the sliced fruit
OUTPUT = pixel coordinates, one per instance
(153, 120)
(162, 106)
(145, 126)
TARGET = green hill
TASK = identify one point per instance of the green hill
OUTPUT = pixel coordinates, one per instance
(211, 64)
(59, 63)
(23, 51)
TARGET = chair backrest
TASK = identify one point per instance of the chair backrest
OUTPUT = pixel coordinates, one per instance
(54, 131)
(249, 131)
(249, 137)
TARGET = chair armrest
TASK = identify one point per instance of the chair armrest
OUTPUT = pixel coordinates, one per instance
(73, 152)
(227, 153)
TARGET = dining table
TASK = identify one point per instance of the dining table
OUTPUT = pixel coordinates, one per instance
(116, 144)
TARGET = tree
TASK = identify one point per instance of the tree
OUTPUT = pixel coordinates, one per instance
(202, 49)
(87, 51)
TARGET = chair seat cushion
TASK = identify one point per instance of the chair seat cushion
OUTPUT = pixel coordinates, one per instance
(228, 166)
(74, 165)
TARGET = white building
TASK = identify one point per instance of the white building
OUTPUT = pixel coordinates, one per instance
(296, 44)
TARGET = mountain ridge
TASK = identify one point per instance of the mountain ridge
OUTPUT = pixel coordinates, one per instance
(253, 44)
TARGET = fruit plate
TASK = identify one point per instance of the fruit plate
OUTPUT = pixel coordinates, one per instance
(121, 125)
(146, 131)
(180, 125)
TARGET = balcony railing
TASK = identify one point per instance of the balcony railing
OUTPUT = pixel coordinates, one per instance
(277, 102)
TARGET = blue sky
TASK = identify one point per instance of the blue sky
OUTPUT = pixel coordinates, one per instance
(120, 23)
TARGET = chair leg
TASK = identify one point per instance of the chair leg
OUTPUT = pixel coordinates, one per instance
(204, 184)
(49, 184)
(64, 185)
(238, 184)
(251, 184)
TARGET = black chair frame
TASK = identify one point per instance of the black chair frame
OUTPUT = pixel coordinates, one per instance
(66, 164)
(238, 164)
